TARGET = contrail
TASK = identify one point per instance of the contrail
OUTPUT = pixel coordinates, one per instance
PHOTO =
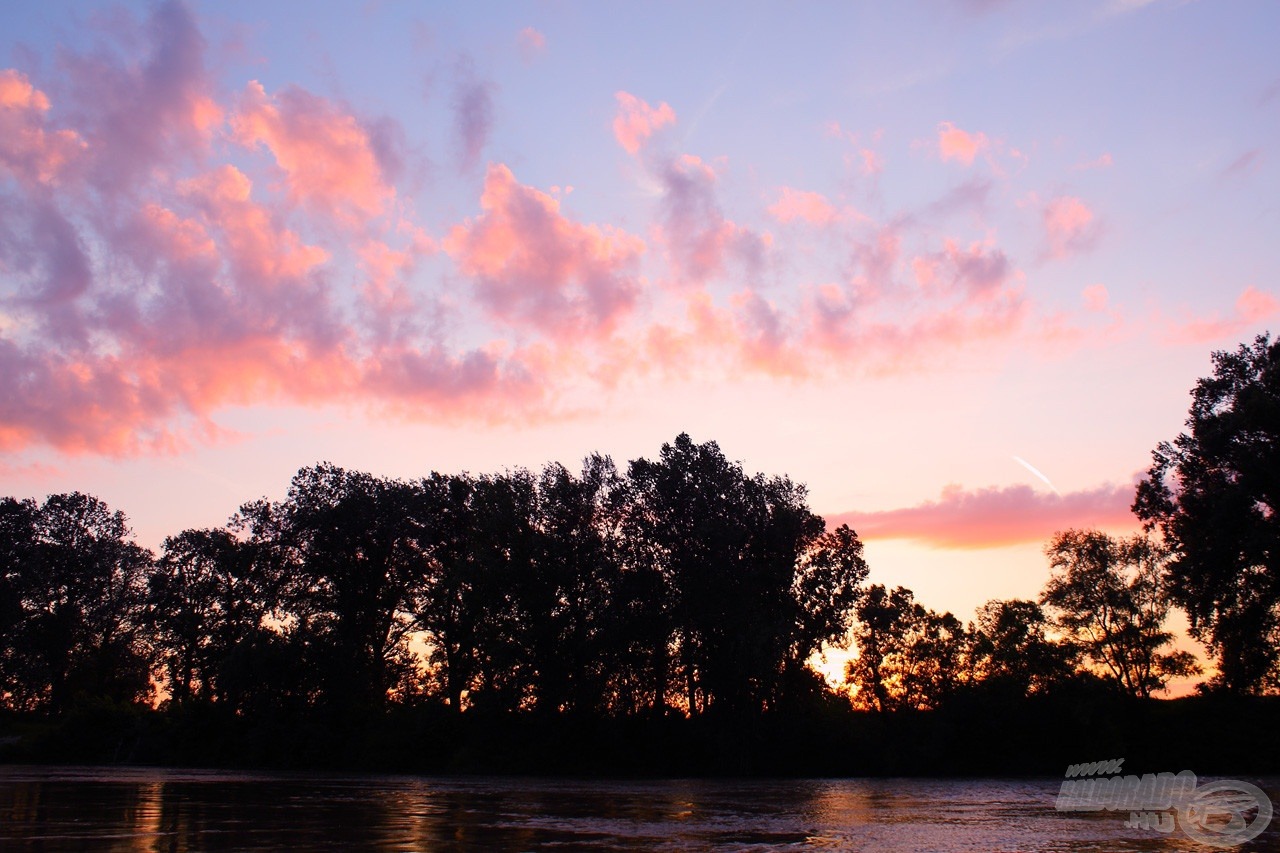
(1025, 464)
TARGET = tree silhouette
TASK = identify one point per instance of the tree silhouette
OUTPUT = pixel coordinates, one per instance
(76, 604)
(207, 607)
(1214, 493)
(909, 657)
(1109, 598)
(732, 561)
(1013, 653)
(338, 558)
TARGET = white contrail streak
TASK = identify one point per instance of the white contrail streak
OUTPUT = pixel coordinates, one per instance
(1025, 464)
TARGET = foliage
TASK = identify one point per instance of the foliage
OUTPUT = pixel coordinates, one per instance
(1214, 494)
(1109, 599)
(1013, 652)
(73, 612)
(909, 657)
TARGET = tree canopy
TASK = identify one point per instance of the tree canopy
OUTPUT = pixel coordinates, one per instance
(1214, 494)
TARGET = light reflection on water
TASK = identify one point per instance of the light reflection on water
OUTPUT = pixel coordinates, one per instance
(142, 809)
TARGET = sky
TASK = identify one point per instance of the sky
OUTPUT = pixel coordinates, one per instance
(954, 264)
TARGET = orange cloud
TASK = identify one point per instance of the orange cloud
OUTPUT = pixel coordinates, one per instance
(956, 144)
(636, 121)
(995, 517)
(532, 264)
(327, 157)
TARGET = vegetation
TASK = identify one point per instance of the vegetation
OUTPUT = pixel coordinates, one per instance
(1214, 494)
(660, 618)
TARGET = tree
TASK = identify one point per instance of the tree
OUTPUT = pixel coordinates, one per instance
(339, 558)
(17, 551)
(568, 599)
(1108, 597)
(909, 657)
(1214, 493)
(75, 586)
(1013, 652)
(732, 561)
(207, 604)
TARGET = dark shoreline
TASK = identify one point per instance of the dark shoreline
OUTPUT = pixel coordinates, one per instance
(1211, 735)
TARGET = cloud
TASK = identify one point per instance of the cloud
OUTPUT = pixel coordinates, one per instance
(636, 121)
(1095, 298)
(30, 150)
(995, 517)
(1104, 161)
(956, 144)
(811, 207)
(1252, 308)
(152, 277)
(138, 113)
(531, 264)
(700, 240)
(532, 43)
(326, 155)
(1070, 227)
(473, 115)
(979, 271)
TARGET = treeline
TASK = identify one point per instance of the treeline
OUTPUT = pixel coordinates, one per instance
(682, 586)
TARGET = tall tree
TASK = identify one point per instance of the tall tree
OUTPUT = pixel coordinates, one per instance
(207, 606)
(1109, 598)
(1214, 492)
(340, 555)
(735, 562)
(77, 603)
(17, 551)
(909, 657)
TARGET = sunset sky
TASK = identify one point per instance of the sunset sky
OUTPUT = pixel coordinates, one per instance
(954, 264)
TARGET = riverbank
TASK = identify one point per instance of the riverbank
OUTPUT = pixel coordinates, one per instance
(1207, 734)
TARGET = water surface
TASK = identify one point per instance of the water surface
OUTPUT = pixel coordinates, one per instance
(143, 809)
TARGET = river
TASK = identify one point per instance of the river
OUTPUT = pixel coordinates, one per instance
(145, 809)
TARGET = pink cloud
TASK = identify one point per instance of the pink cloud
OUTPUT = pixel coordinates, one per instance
(1095, 298)
(699, 239)
(636, 121)
(326, 155)
(957, 144)
(531, 42)
(1252, 307)
(161, 300)
(152, 101)
(1104, 161)
(995, 517)
(979, 270)
(1069, 226)
(872, 162)
(532, 264)
(30, 150)
(811, 207)
(473, 112)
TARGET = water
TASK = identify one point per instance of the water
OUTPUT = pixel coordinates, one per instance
(143, 809)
